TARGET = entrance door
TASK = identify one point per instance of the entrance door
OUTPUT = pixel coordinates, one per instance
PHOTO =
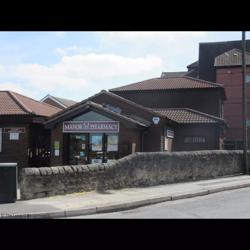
(78, 149)
(96, 149)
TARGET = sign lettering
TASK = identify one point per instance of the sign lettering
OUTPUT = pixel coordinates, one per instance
(91, 126)
(14, 130)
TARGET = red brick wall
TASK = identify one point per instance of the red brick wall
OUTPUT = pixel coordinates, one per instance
(15, 150)
(231, 78)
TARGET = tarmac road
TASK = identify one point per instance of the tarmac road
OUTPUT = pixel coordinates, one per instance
(228, 204)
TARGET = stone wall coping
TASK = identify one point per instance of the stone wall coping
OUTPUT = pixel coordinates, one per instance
(73, 169)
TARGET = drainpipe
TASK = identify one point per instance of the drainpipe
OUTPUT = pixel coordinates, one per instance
(244, 102)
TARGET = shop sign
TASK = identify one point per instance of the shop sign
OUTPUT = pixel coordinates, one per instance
(170, 133)
(14, 130)
(90, 127)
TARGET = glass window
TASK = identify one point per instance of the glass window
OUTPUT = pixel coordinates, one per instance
(96, 142)
(112, 143)
(112, 147)
(96, 148)
(78, 149)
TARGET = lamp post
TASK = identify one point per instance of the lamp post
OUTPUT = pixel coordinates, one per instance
(244, 102)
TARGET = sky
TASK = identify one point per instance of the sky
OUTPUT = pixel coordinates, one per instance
(76, 65)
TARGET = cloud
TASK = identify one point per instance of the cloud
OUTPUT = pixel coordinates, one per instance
(16, 88)
(77, 75)
(176, 49)
(72, 50)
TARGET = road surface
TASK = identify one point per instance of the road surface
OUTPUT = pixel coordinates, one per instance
(228, 204)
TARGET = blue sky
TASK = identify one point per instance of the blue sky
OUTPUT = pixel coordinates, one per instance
(76, 65)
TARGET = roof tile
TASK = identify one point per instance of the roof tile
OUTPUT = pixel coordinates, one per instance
(185, 116)
(12, 103)
(184, 82)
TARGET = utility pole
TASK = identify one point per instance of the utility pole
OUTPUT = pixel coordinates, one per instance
(244, 102)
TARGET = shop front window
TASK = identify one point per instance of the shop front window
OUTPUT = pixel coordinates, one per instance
(112, 147)
(93, 148)
(78, 149)
(96, 148)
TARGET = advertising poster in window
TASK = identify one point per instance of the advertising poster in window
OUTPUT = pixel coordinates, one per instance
(96, 142)
(96, 161)
(14, 136)
(112, 143)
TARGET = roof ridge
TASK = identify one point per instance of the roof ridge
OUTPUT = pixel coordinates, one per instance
(126, 85)
(140, 84)
(43, 103)
(194, 111)
(130, 102)
(97, 105)
(19, 102)
(53, 97)
(62, 98)
(99, 93)
(205, 114)
(202, 80)
(110, 111)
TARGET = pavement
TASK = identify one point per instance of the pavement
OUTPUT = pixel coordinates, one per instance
(87, 203)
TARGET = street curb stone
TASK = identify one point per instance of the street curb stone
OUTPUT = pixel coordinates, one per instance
(124, 206)
(189, 195)
(79, 212)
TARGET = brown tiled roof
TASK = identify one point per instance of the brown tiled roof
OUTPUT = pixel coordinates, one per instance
(12, 103)
(65, 103)
(168, 83)
(110, 94)
(186, 116)
(132, 119)
(231, 58)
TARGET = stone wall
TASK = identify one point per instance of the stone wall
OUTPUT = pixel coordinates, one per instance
(137, 170)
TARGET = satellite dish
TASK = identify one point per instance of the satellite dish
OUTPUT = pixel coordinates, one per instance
(156, 120)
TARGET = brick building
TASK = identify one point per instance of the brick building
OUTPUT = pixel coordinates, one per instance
(221, 62)
(23, 138)
(79, 135)
(179, 111)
